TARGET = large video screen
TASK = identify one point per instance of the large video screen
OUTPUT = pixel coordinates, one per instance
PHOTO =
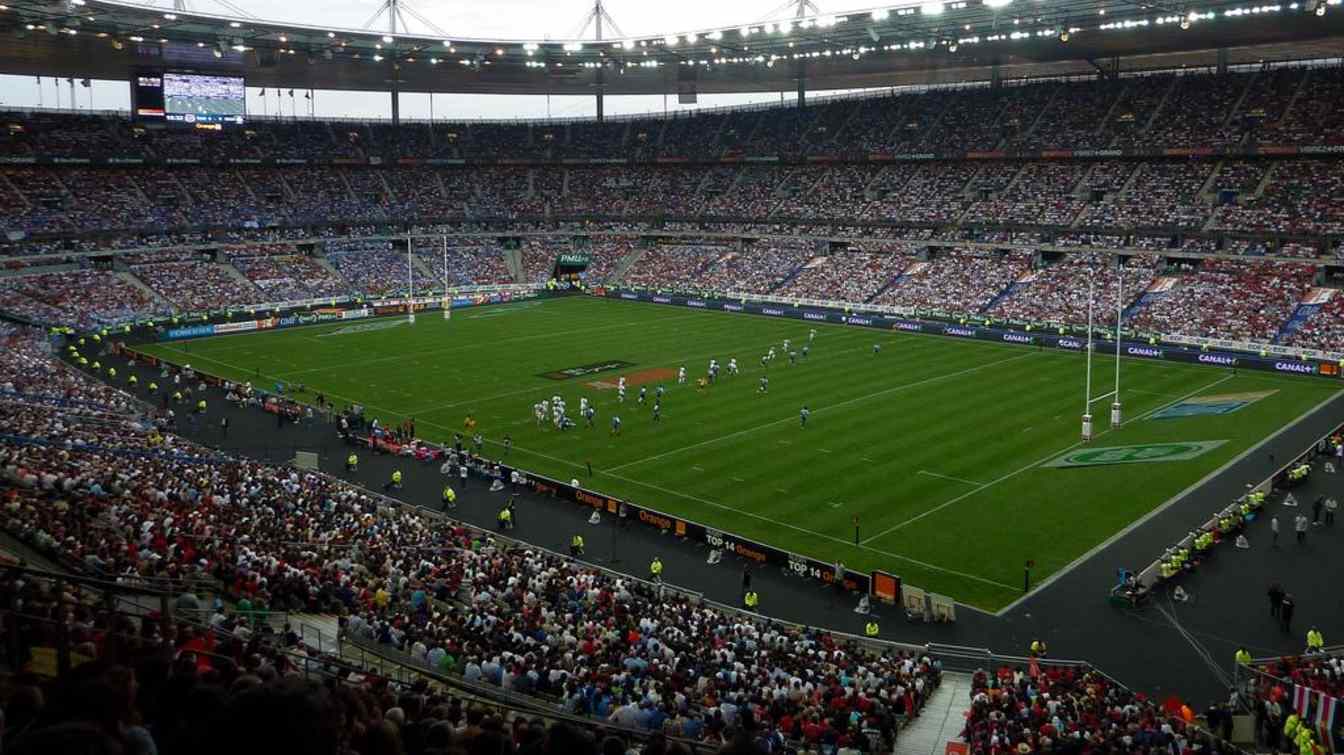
(196, 98)
(189, 98)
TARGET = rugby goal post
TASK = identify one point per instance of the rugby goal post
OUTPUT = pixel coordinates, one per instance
(447, 305)
(1114, 394)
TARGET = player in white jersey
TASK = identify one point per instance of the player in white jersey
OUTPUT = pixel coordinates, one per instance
(620, 394)
(620, 383)
(765, 385)
(732, 366)
(786, 345)
(538, 413)
(681, 375)
(643, 392)
(583, 405)
(545, 407)
(771, 355)
(811, 335)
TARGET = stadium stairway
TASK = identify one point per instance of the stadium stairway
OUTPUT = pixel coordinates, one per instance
(130, 278)
(424, 271)
(514, 259)
(325, 264)
(1140, 304)
(794, 273)
(246, 282)
(624, 264)
(941, 720)
(896, 280)
(1011, 289)
(318, 630)
(1300, 316)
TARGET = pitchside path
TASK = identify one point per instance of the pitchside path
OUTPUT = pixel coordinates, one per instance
(1071, 613)
(934, 444)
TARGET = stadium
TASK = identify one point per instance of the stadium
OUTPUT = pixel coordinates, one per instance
(966, 380)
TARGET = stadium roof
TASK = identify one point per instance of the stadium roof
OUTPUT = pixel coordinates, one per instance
(910, 44)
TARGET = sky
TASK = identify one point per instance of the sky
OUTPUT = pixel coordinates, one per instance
(515, 19)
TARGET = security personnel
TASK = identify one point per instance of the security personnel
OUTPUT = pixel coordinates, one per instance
(870, 630)
(1315, 640)
(576, 545)
(395, 482)
(97, 365)
(449, 497)
(351, 462)
(133, 380)
(751, 600)
(1243, 657)
(505, 519)
(1290, 727)
(153, 387)
(1306, 741)
(656, 569)
(200, 406)
(111, 373)
(1037, 648)
(177, 397)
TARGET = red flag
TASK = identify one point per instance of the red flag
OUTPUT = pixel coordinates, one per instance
(1301, 700)
(1325, 720)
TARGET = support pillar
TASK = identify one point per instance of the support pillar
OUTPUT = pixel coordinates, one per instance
(995, 77)
(601, 87)
(1222, 60)
(801, 74)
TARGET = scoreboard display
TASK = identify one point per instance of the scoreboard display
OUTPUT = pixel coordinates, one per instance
(189, 98)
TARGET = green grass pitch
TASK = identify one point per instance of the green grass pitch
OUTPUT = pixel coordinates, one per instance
(936, 444)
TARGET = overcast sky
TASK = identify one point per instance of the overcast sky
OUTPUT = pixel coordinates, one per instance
(555, 19)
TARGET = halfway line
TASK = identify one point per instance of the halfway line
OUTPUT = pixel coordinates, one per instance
(884, 392)
(1035, 464)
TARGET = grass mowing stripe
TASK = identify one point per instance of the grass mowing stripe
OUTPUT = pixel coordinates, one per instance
(457, 348)
(1020, 470)
(884, 392)
(969, 427)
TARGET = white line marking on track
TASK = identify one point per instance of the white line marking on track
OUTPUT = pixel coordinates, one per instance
(848, 402)
(1103, 545)
(927, 473)
(1033, 465)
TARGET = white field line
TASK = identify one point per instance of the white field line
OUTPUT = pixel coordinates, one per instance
(1108, 542)
(848, 402)
(1033, 465)
(927, 473)
(476, 345)
(542, 389)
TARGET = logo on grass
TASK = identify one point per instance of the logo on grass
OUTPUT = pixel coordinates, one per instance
(570, 373)
(367, 327)
(1148, 452)
(1225, 403)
